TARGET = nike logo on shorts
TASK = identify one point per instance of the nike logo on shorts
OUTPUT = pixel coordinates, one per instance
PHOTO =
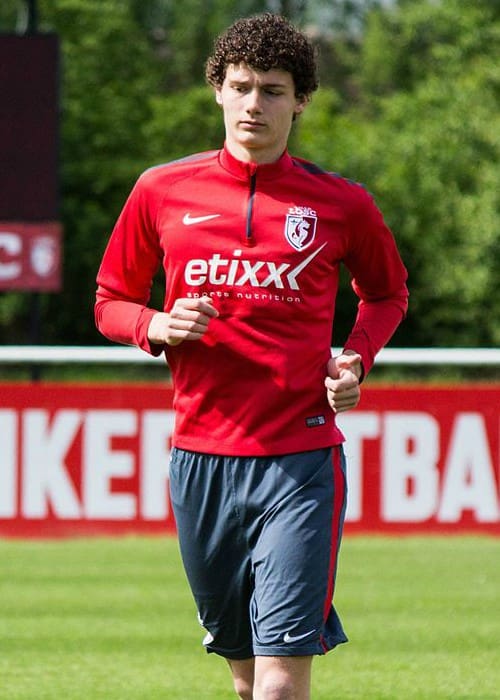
(296, 637)
(188, 220)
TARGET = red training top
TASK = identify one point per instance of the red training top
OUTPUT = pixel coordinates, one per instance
(265, 243)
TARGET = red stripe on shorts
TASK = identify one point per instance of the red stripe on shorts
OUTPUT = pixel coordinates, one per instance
(339, 494)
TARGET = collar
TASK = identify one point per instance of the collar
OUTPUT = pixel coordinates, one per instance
(244, 170)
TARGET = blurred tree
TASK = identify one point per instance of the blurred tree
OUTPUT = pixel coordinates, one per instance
(10, 16)
(183, 123)
(426, 139)
(105, 102)
(407, 45)
(182, 33)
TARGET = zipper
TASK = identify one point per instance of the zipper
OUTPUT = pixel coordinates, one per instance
(249, 239)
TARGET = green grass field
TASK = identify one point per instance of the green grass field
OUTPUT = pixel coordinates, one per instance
(112, 619)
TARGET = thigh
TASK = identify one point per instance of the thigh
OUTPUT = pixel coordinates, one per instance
(295, 558)
(214, 553)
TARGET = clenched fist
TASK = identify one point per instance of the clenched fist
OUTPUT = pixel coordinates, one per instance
(187, 320)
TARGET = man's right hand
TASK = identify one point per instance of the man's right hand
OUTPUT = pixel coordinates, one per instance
(187, 320)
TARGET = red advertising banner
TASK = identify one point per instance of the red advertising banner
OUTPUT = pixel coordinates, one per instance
(85, 459)
(30, 255)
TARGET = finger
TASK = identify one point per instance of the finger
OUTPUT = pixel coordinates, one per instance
(203, 305)
(345, 399)
(208, 308)
(340, 406)
(346, 407)
(346, 382)
(182, 314)
(342, 400)
(341, 396)
(187, 326)
(178, 337)
(347, 361)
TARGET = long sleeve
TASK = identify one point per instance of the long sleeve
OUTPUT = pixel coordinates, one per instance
(379, 281)
(125, 276)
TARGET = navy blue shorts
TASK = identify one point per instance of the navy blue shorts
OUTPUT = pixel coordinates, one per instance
(259, 538)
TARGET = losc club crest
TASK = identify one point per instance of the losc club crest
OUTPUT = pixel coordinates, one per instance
(44, 255)
(300, 227)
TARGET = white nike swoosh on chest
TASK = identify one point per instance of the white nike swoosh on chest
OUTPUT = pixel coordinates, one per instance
(188, 219)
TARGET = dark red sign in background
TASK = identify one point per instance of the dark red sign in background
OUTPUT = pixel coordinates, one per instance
(29, 127)
(30, 235)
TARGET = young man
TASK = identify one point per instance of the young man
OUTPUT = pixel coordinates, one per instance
(251, 240)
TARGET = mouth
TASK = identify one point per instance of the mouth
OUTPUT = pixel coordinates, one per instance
(251, 125)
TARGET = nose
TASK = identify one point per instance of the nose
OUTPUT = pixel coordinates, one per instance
(254, 104)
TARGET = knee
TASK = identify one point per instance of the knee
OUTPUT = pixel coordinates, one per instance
(275, 685)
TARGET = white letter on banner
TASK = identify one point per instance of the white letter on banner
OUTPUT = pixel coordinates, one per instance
(44, 474)
(469, 479)
(12, 244)
(157, 427)
(101, 464)
(409, 467)
(8, 464)
(356, 428)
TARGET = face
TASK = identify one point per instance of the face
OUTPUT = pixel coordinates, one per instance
(258, 111)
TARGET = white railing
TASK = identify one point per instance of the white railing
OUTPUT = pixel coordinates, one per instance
(67, 354)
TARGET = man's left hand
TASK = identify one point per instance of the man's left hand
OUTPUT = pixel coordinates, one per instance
(342, 382)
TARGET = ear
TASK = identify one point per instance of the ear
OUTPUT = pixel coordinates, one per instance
(218, 96)
(301, 103)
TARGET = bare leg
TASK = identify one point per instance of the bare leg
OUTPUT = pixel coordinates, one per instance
(282, 678)
(243, 677)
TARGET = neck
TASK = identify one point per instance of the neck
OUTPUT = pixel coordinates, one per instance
(255, 155)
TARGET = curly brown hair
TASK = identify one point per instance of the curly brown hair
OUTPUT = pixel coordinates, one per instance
(265, 42)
